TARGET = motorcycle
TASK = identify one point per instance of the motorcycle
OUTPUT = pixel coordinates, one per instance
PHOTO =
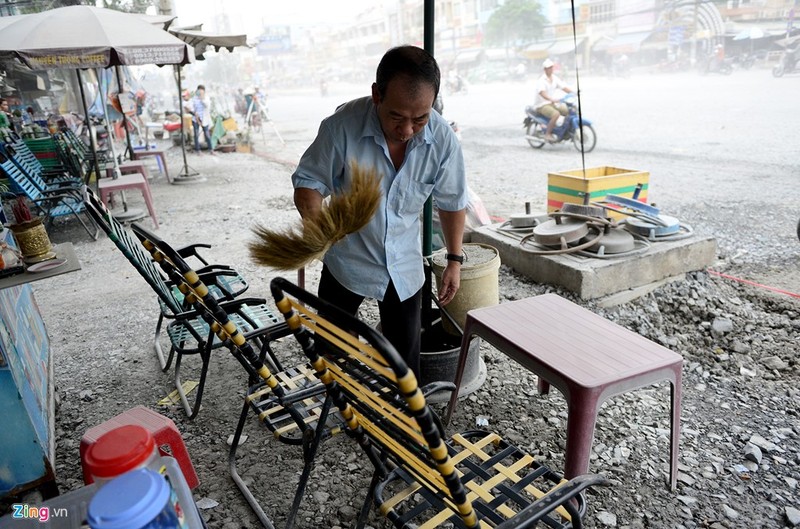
(582, 136)
(744, 61)
(438, 106)
(456, 84)
(787, 64)
(715, 65)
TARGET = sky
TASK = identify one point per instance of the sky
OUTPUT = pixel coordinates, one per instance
(249, 16)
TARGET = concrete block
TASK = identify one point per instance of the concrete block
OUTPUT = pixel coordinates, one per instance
(593, 278)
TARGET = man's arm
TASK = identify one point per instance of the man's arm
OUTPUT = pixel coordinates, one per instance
(453, 231)
(308, 202)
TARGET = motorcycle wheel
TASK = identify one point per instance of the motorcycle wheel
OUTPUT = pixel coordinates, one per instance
(778, 71)
(589, 138)
(535, 135)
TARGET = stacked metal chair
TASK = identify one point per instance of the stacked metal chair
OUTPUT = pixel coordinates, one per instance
(85, 156)
(474, 479)
(290, 401)
(56, 198)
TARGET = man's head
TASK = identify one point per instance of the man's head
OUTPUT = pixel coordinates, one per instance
(404, 90)
(548, 64)
(201, 90)
(4, 104)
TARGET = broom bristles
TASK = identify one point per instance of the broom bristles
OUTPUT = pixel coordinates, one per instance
(345, 213)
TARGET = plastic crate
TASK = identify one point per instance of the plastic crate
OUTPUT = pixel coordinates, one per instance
(571, 186)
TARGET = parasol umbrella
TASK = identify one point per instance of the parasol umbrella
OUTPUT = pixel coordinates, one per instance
(750, 33)
(79, 37)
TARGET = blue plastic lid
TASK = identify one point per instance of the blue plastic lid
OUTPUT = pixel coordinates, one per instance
(130, 501)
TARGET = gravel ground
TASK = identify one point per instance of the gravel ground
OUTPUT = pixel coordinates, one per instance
(740, 443)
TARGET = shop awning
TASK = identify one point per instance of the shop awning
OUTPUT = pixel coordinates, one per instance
(537, 50)
(624, 43)
(568, 45)
(468, 57)
(201, 40)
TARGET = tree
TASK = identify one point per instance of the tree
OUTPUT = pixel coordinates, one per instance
(129, 6)
(516, 22)
(37, 6)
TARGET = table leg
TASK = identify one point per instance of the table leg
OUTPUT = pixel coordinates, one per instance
(675, 428)
(462, 362)
(581, 418)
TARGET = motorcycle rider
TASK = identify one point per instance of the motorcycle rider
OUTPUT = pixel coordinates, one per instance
(547, 101)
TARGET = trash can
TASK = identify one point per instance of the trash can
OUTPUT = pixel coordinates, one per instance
(479, 282)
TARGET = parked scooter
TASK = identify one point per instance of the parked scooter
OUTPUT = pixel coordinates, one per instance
(583, 136)
(438, 106)
(787, 64)
(715, 65)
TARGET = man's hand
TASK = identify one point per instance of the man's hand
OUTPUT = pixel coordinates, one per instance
(451, 281)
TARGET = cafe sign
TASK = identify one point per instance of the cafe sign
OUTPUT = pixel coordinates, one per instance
(100, 57)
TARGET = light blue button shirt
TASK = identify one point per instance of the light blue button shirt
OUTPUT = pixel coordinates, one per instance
(390, 246)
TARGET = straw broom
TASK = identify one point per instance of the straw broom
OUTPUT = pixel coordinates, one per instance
(345, 213)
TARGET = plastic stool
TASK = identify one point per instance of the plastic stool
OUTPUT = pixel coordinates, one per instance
(163, 429)
(128, 181)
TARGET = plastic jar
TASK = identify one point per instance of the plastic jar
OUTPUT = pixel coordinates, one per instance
(139, 499)
(120, 450)
(125, 449)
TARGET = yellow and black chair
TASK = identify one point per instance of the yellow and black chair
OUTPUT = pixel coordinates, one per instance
(289, 401)
(473, 480)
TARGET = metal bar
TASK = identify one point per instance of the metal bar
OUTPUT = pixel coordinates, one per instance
(427, 212)
(121, 87)
(94, 166)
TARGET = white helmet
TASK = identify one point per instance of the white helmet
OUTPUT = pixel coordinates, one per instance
(547, 64)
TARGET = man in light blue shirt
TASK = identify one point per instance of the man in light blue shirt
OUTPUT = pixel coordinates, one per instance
(417, 155)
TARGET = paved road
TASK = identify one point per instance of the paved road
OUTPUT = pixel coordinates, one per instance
(722, 151)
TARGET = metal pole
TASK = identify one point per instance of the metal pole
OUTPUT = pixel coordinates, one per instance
(94, 165)
(103, 94)
(186, 171)
(427, 212)
(121, 87)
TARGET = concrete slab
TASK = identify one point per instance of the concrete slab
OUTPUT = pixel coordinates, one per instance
(593, 278)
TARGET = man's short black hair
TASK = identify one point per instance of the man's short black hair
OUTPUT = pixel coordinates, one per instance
(201, 87)
(410, 61)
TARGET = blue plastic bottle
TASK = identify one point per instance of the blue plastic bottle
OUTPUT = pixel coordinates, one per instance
(139, 499)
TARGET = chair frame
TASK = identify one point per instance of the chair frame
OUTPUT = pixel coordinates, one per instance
(187, 331)
(387, 414)
(290, 401)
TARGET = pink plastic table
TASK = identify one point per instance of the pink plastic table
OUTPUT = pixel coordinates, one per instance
(587, 357)
(128, 181)
(131, 166)
(138, 154)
